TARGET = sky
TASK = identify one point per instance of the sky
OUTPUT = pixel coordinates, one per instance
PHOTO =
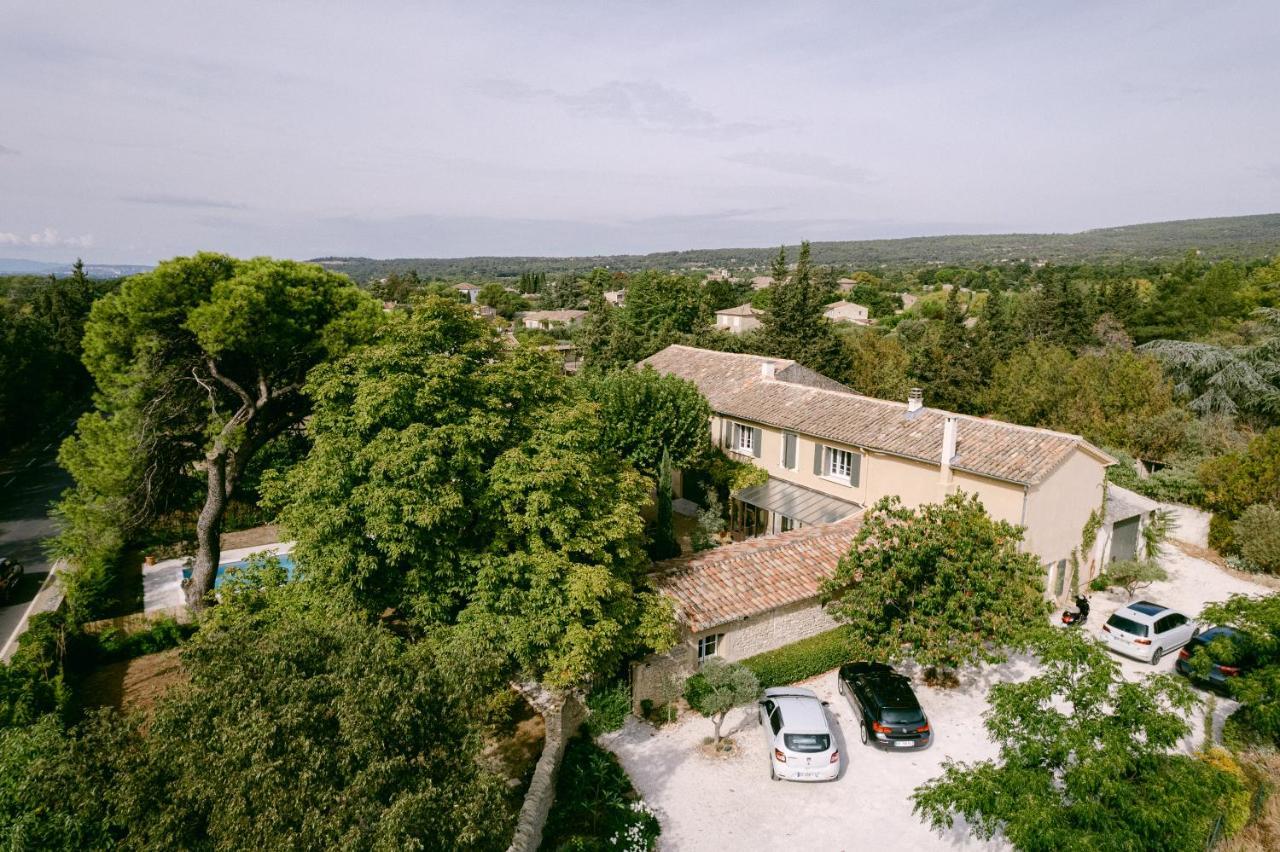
(136, 131)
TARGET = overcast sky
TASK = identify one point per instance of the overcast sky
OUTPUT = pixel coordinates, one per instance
(133, 131)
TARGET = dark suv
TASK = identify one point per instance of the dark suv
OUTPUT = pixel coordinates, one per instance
(889, 716)
(1228, 654)
(10, 577)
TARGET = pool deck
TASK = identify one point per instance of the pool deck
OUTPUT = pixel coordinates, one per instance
(162, 582)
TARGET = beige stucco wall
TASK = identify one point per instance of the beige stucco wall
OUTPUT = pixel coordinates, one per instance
(1059, 506)
(882, 475)
(1054, 511)
(845, 313)
(736, 324)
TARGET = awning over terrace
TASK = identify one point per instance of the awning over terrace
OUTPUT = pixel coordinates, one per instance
(801, 504)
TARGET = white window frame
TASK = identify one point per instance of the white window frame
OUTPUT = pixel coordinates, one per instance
(743, 439)
(782, 454)
(837, 465)
(709, 646)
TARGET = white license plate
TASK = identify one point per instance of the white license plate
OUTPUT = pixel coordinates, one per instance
(904, 744)
(808, 774)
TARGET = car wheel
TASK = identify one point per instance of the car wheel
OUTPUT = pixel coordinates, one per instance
(1156, 655)
(773, 775)
(1195, 633)
(862, 731)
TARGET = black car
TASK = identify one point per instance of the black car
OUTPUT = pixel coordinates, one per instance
(1227, 646)
(10, 577)
(889, 715)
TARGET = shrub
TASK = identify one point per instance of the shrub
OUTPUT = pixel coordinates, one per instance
(1257, 536)
(1222, 534)
(802, 659)
(33, 682)
(1237, 802)
(1133, 575)
(596, 807)
(112, 645)
(609, 706)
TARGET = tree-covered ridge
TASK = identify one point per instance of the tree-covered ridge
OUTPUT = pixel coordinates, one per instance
(1225, 237)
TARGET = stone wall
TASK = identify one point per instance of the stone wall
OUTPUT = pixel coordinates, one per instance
(562, 714)
(659, 677)
(1190, 525)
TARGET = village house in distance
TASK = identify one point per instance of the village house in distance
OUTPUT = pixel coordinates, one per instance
(830, 453)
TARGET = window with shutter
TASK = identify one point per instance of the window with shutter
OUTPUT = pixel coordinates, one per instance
(757, 442)
(789, 450)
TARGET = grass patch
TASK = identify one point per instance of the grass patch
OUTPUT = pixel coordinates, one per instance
(596, 807)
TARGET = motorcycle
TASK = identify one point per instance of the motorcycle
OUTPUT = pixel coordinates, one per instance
(1079, 615)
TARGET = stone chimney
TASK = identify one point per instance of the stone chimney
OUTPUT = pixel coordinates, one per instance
(915, 400)
(767, 370)
(948, 451)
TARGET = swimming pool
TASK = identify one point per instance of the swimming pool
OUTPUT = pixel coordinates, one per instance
(286, 562)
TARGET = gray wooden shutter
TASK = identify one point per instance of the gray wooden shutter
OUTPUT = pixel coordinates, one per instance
(788, 450)
(725, 432)
(756, 441)
(817, 459)
(855, 469)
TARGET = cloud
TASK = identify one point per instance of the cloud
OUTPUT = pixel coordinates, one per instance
(804, 165)
(48, 238)
(187, 201)
(6, 151)
(643, 103)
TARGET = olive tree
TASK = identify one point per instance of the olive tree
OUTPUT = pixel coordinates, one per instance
(720, 687)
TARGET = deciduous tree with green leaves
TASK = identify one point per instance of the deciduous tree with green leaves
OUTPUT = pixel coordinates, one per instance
(459, 481)
(1256, 650)
(1084, 762)
(645, 413)
(199, 363)
(943, 584)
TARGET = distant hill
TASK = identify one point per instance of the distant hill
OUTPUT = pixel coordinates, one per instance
(1234, 237)
(15, 266)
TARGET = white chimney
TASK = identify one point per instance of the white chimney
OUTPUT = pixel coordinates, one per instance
(766, 370)
(948, 451)
(915, 400)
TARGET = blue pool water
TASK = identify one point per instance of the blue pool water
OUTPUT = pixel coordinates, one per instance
(286, 562)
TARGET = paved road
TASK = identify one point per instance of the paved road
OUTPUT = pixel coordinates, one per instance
(30, 480)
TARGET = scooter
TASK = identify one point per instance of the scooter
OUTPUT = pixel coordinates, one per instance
(1079, 615)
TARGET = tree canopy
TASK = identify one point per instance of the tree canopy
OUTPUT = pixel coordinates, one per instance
(1084, 761)
(199, 363)
(458, 481)
(943, 584)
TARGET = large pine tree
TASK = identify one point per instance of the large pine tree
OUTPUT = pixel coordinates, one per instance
(794, 325)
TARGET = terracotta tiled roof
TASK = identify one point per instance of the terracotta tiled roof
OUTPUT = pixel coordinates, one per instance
(744, 310)
(734, 386)
(756, 575)
(554, 316)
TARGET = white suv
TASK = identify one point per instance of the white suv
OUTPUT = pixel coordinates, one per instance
(801, 744)
(1147, 631)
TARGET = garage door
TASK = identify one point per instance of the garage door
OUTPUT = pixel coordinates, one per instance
(1124, 539)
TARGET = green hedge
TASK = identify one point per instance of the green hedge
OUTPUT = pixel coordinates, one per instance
(802, 659)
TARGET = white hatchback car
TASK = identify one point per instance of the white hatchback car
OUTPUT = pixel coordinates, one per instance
(1147, 631)
(802, 746)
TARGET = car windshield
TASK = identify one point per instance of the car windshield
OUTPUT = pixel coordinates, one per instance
(807, 742)
(901, 716)
(1128, 625)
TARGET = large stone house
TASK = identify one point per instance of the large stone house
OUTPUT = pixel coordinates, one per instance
(551, 320)
(843, 311)
(830, 453)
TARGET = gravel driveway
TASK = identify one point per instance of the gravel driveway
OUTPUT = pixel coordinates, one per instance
(730, 803)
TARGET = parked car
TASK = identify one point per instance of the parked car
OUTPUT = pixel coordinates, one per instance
(801, 744)
(1147, 631)
(1218, 675)
(889, 715)
(10, 577)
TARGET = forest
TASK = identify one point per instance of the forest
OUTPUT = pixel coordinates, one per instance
(1235, 237)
